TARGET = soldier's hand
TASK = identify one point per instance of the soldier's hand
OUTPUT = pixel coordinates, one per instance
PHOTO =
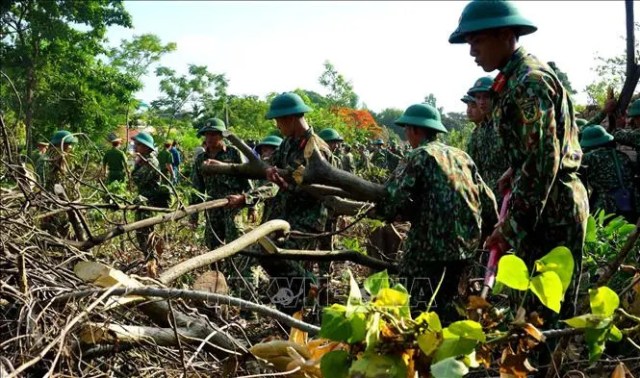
(251, 215)
(610, 106)
(236, 200)
(212, 162)
(273, 176)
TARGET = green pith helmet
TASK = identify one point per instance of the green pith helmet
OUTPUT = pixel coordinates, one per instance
(330, 135)
(581, 122)
(145, 139)
(270, 140)
(286, 104)
(481, 85)
(378, 142)
(490, 14)
(468, 99)
(422, 115)
(214, 125)
(594, 136)
(63, 136)
(634, 109)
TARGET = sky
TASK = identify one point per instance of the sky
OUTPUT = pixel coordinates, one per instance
(394, 53)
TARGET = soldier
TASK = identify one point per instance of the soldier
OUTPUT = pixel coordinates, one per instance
(382, 157)
(52, 168)
(146, 177)
(631, 135)
(177, 160)
(483, 144)
(443, 196)
(165, 159)
(535, 120)
(115, 162)
(348, 161)
(608, 173)
(222, 225)
(363, 162)
(303, 212)
(265, 149)
(41, 149)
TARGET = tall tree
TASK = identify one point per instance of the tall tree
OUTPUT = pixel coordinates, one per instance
(44, 42)
(341, 91)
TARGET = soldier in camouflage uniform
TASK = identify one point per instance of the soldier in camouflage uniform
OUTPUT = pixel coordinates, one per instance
(115, 162)
(52, 168)
(534, 116)
(383, 158)
(146, 177)
(265, 149)
(41, 149)
(441, 193)
(303, 212)
(483, 144)
(608, 174)
(222, 225)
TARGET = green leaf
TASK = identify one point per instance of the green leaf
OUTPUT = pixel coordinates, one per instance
(595, 340)
(548, 288)
(588, 321)
(335, 325)
(375, 365)
(453, 346)
(449, 368)
(559, 260)
(604, 301)
(625, 230)
(513, 272)
(497, 288)
(391, 299)
(467, 329)
(335, 364)
(614, 225)
(428, 342)
(373, 330)
(432, 319)
(591, 235)
(358, 324)
(377, 281)
(614, 334)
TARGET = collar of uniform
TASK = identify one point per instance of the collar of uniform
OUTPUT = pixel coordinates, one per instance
(223, 149)
(513, 62)
(302, 141)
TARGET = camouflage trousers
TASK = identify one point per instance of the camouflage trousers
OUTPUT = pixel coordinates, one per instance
(290, 282)
(143, 236)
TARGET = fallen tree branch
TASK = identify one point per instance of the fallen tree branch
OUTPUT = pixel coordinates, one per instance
(225, 251)
(195, 295)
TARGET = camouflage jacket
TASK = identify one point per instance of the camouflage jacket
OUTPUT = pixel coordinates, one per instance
(600, 175)
(348, 163)
(534, 117)
(384, 158)
(483, 147)
(52, 168)
(301, 210)
(219, 186)
(443, 196)
(146, 177)
(628, 137)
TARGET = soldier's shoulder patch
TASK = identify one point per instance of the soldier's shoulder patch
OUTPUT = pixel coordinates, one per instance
(529, 108)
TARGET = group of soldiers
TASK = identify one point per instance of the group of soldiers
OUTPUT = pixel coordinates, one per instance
(527, 149)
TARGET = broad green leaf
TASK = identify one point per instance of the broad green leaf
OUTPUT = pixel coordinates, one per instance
(595, 340)
(604, 301)
(405, 312)
(613, 226)
(625, 230)
(358, 325)
(432, 319)
(467, 329)
(559, 260)
(373, 330)
(513, 272)
(453, 346)
(335, 364)
(377, 281)
(591, 235)
(391, 299)
(548, 288)
(614, 334)
(335, 325)
(428, 342)
(587, 321)
(449, 368)
(375, 365)
(497, 288)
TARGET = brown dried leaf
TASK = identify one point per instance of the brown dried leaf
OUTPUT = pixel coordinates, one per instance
(483, 356)
(532, 331)
(477, 302)
(516, 365)
(535, 319)
(520, 316)
(621, 371)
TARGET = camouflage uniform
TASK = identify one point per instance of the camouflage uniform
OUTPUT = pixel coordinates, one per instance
(600, 176)
(535, 120)
(146, 177)
(490, 160)
(51, 168)
(348, 162)
(116, 161)
(443, 196)
(303, 212)
(386, 159)
(222, 225)
(165, 158)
